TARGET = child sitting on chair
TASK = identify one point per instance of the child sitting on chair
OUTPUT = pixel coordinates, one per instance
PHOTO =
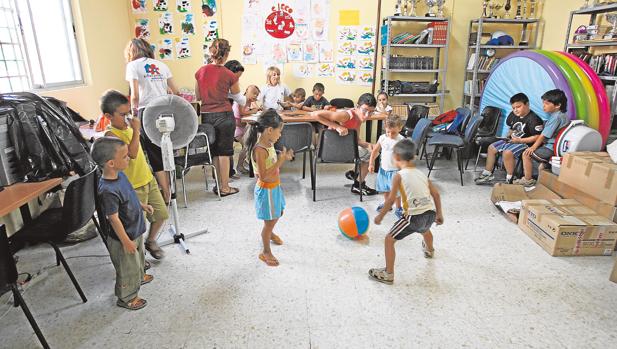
(317, 101)
(342, 121)
(124, 213)
(421, 208)
(298, 98)
(382, 104)
(387, 170)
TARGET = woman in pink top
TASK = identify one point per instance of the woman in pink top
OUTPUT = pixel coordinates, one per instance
(213, 86)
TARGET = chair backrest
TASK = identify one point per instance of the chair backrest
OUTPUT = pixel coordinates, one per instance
(340, 103)
(79, 202)
(416, 112)
(338, 149)
(297, 136)
(466, 112)
(490, 121)
(472, 128)
(8, 271)
(420, 132)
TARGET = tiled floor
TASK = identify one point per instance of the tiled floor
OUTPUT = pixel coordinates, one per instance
(489, 286)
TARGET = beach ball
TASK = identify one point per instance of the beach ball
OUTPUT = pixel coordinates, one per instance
(353, 222)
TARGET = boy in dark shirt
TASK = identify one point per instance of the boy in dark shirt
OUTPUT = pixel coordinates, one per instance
(125, 215)
(525, 127)
(317, 101)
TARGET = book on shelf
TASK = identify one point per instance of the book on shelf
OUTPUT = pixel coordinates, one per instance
(603, 64)
(436, 33)
(484, 63)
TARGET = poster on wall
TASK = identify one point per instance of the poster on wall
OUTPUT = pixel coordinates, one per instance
(183, 48)
(183, 6)
(211, 30)
(187, 25)
(365, 48)
(160, 5)
(249, 53)
(208, 7)
(325, 70)
(365, 63)
(346, 48)
(303, 70)
(347, 33)
(279, 22)
(138, 6)
(345, 76)
(364, 78)
(320, 14)
(310, 51)
(166, 23)
(166, 49)
(294, 52)
(326, 52)
(142, 28)
(367, 32)
(346, 62)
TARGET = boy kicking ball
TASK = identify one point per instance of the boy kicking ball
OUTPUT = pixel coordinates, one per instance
(421, 208)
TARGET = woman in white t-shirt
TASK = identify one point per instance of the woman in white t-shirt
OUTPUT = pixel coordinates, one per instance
(148, 79)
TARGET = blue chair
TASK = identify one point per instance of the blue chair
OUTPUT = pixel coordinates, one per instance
(418, 136)
(456, 143)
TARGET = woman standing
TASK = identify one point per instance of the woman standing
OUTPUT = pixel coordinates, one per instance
(149, 79)
(214, 85)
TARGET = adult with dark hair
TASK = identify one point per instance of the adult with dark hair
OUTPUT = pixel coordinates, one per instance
(525, 128)
(215, 83)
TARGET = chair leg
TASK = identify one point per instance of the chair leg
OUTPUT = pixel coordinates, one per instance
(311, 169)
(475, 167)
(459, 159)
(186, 201)
(206, 178)
(68, 271)
(425, 156)
(216, 180)
(357, 169)
(98, 228)
(433, 157)
(467, 163)
(315, 179)
(24, 308)
(304, 165)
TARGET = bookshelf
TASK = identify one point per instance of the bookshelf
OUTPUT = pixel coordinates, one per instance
(481, 58)
(405, 38)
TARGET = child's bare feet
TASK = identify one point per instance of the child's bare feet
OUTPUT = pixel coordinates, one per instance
(269, 259)
(276, 239)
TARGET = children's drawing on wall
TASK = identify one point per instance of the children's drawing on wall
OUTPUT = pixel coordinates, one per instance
(294, 52)
(365, 48)
(302, 32)
(183, 48)
(346, 62)
(278, 52)
(345, 76)
(252, 6)
(319, 29)
(187, 25)
(138, 6)
(166, 23)
(183, 6)
(160, 5)
(249, 53)
(206, 53)
(142, 28)
(326, 52)
(319, 19)
(208, 7)
(367, 32)
(211, 30)
(346, 48)
(325, 70)
(309, 49)
(280, 23)
(166, 49)
(303, 70)
(364, 78)
(365, 63)
(346, 32)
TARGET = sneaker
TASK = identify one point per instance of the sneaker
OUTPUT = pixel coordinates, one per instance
(525, 182)
(484, 179)
(155, 250)
(399, 213)
(351, 175)
(509, 181)
(381, 275)
(427, 253)
(366, 190)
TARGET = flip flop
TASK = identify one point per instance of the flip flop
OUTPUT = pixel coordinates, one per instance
(135, 304)
(270, 262)
(231, 191)
(147, 279)
(276, 239)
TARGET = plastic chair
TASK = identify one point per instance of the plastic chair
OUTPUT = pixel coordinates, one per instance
(53, 225)
(298, 136)
(416, 113)
(8, 282)
(418, 136)
(197, 153)
(456, 143)
(334, 148)
(340, 103)
(487, 130)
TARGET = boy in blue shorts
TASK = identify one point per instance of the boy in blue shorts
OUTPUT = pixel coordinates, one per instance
(555, 103)
(125, 215)
(525, 127)
(421, 208)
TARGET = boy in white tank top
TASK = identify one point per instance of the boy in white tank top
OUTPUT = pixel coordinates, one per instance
(421, 208)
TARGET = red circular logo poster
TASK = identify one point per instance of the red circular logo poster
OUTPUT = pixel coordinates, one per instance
(280, 24)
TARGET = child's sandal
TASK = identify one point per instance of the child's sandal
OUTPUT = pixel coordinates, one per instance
(271, 262)
(134, 304)
(276, 239)
(147, 279)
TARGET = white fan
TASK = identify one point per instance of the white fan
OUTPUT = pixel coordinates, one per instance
(171, 123)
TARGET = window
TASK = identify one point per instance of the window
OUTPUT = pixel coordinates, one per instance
(38, 49)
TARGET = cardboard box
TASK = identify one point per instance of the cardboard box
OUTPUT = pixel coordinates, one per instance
(550, 181)
(591, 172)
(564, 227)
(613, 277)
(517, 193)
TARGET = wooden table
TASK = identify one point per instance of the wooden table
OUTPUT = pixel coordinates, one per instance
(19, 194)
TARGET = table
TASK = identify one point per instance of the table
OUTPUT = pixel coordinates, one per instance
(90, 133)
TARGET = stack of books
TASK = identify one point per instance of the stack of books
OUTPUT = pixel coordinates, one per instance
(484, 63)
(605, 65)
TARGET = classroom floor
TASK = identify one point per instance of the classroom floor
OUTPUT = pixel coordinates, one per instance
(489, 285)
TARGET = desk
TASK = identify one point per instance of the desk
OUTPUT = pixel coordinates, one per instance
(304, 116)
(90, 133)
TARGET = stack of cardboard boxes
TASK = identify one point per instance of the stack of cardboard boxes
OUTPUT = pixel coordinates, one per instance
(573, 214)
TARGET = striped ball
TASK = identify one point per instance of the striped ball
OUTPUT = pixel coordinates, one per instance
(353, 222)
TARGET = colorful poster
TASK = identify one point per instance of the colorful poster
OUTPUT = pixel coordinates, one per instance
(249, 53)
(345, 76)
(142, 28)
(208, 7)
(320, 13)
(366, 32)
(277, 52)
(364, 78)
(326, 52)
(346, 48)
(303, 70)
(279, 22)
(365, 48)
(183, 6)
(347, 33)
(252, 6)
(206, 52)
(211, 30)
(294, 52)
(346, 62)
(183, 48)
(310, 50)
(302, 32)
(365, 63)
(138, 6)
(160, 5)
(187, 25)
(166, 23)
(325, 70)
(349, 17)
(166, 49)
